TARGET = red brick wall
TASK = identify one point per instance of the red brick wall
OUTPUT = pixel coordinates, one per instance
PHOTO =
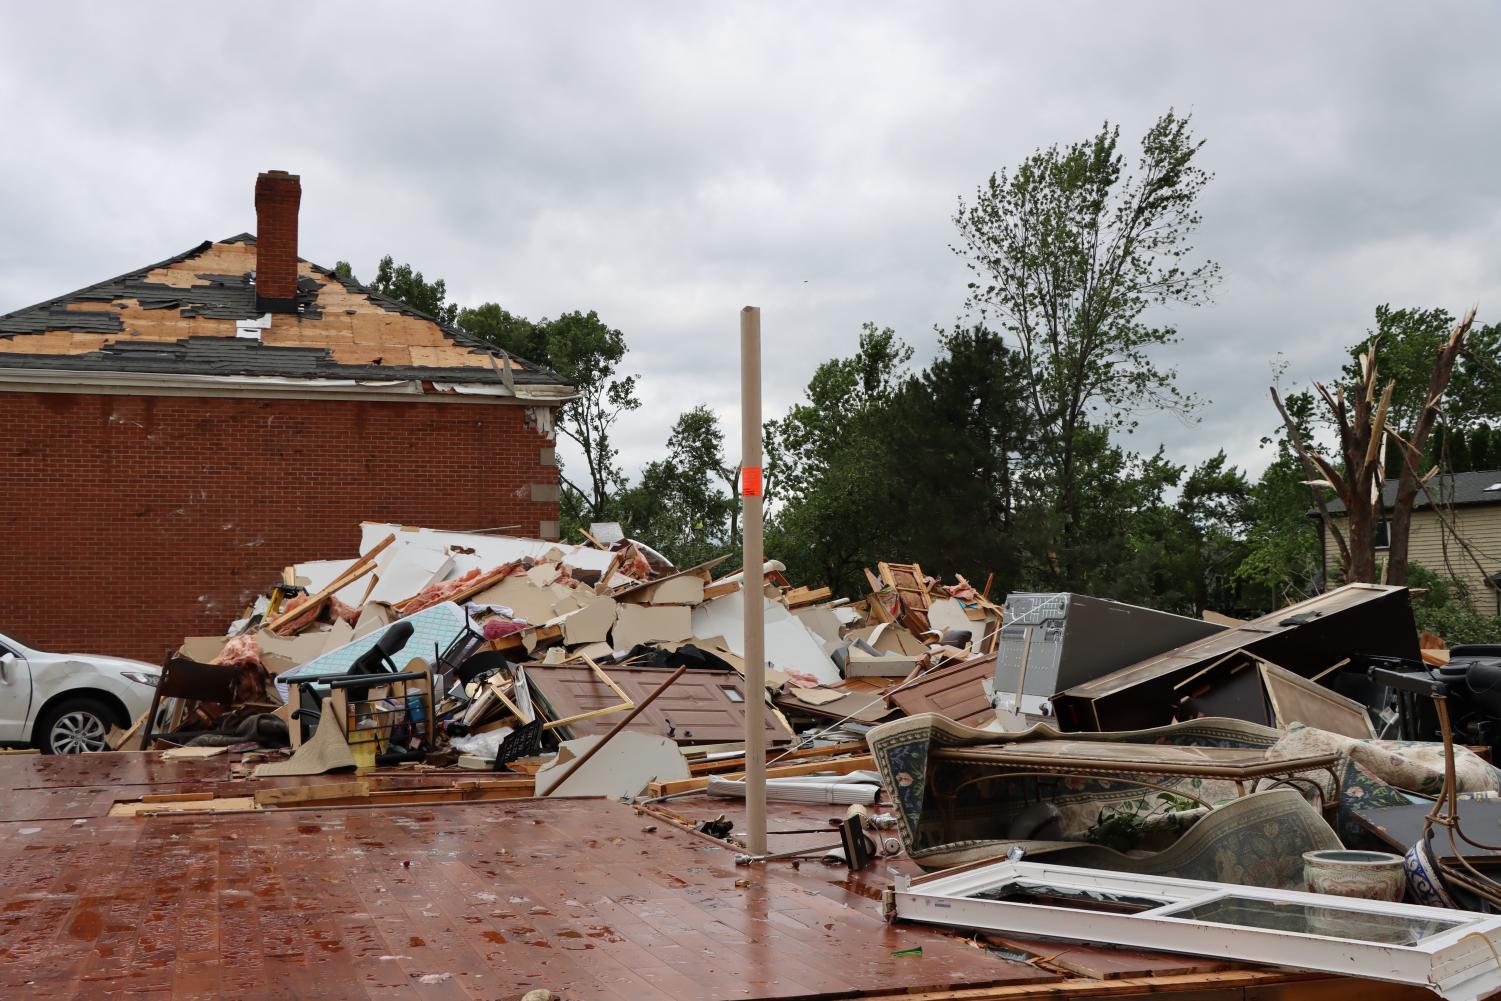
(130, 522)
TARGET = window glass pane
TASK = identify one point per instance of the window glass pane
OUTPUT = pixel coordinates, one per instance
(1306, 919)
(1027, 892)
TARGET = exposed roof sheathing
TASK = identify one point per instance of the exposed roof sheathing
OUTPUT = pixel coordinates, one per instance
(181, 316)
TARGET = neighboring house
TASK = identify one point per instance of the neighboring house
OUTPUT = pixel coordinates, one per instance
(1473, 502)
(176, 435)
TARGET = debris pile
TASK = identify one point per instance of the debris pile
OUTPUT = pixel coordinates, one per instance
(1066, 750)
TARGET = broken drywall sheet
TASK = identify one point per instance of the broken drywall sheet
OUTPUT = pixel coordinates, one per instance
(372, 617)
(716, 645)
(337, 634)
(888, 637)
(407, 572)
(650, 624)
(863, 665)
(622, 770)
(589, 624)
(471, 550)
(203, 649)
(595, 651)
(282, 653)
(526, 601)
(543, 574)
(821, 620)
(790, 645)
(327, 751)
(947, 614)
(678, 591)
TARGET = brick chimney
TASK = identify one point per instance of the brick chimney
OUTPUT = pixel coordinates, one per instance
(277, 195)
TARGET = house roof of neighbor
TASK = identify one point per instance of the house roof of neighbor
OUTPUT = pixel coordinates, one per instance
(1452, 489)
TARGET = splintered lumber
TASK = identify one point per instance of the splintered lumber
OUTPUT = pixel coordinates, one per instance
(599, 672)
(800, 596)
(721, 589)
(176, 797)
(358, 569)
(311, 793)
(838, 766)
(737, 763)
(539, 634)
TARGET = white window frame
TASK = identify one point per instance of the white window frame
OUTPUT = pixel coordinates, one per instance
(1459, 963)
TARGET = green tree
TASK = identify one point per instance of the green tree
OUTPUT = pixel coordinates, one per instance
(1406, 343)
(684, 503)
(1282, 560)
(1442, 605)
(1069, 254)
(827, 459)
(508, 331)
(400, 282)
(957, 440)
(587, 352)
(1485, 447)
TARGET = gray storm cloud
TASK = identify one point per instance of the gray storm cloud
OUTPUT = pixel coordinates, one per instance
(667, 164)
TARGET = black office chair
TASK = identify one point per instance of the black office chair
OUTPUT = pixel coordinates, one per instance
(378, 660)
(481, 664)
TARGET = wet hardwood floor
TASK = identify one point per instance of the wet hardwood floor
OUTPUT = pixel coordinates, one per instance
(476, 900)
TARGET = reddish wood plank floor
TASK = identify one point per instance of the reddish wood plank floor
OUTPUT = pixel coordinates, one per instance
(49, 771)
(477, 900)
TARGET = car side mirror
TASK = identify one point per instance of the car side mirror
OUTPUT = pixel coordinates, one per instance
(6, 660)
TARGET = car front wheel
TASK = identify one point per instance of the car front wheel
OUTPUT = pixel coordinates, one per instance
(74, 726)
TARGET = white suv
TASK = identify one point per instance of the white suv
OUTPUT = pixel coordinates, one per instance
(65, 703)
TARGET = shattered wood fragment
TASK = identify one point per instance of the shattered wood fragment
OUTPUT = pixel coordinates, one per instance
(309, 609)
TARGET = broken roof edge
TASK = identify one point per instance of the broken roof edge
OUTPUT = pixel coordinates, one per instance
(453, 330)
(533, 372)
(122, 382)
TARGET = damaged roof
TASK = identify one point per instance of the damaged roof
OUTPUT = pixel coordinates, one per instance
(196, 314)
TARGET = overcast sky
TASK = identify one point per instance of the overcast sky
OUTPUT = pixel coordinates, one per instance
(668, 164)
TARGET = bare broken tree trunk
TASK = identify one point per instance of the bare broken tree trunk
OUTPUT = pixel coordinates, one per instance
(1359, 421)
(1412, 449)
(1360, 418)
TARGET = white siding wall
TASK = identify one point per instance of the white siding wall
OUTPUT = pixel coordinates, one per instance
(1434, 547)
